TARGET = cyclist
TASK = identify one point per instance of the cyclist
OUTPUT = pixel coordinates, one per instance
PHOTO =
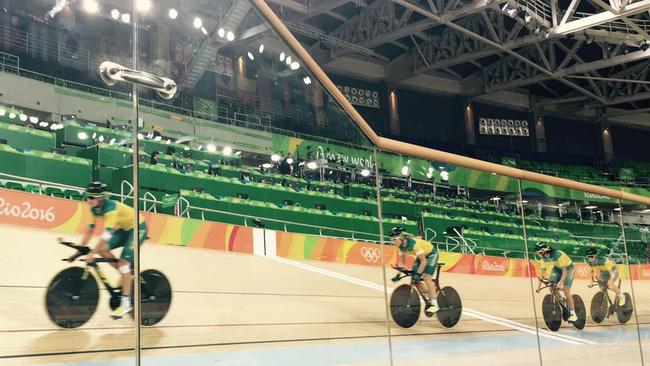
(607, 272)
(424, 266)
(118, 232)
(561, 273)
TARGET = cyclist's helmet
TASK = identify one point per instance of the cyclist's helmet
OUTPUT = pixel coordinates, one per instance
(542, 247)
(95, 189)
(591, 251)
(396, 231)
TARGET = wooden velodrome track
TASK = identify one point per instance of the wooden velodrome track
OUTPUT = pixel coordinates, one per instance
(233, 304)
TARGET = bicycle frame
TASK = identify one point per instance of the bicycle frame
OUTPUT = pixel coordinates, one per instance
(82, 250)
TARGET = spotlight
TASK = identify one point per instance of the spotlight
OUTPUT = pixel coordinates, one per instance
(261, 49)
(282, 56)
(289, 160)
(221, 32)
(140, 136)
(82, 136)
(429, 175)
(43, 124)
(230, 36)
(211, 148)
(144, 5)
(312, 165)
(505, 7)
(237, 153)
(23, 117)
(227, 150)
(644, 46)
(126, 18)
(204, 31)
(267, 166)
(295, 65)
(306, 80)
(168, 141)
(101, 138)
(173, 14)
(276, 158)
(288, 60)
(405, 170)
(91, 6)
(186, 148)
(157, 138)
(512, 13)
(528, 18)
(591, 207)
(365, 172)
(250, 56)
(115, 14)
(33, 119)
(198, 23)
(444, 175)
(2, 112)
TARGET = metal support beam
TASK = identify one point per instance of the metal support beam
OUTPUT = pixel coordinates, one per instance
(600, 18)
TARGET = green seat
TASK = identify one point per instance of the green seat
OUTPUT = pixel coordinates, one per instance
(15, 186)
(32, 188)
(54, 192)
(72, 194)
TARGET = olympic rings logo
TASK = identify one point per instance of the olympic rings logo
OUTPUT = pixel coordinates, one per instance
(371, 255)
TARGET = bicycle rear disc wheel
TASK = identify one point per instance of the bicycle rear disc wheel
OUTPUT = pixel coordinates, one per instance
(156, 295)
(71, 297)
(552, 312)
(599, 307)
(624, 313)
(450, 306)
(405, 306)
(581, 312)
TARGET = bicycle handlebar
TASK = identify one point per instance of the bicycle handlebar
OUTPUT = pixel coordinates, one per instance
(82, 250)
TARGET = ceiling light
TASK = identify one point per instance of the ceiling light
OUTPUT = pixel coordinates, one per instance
(306, 80)
(211, 148)
(227, 150)
(261, 49)
(250, 56)
(646, 210)
(312, 165)
(495, 199)
(365, 172)
(158, 138)
(528, 18)
(112, 141)
(295, 65)
(444, 175)
(276, 158)
(82, 135)
(537, 31)
(512, 13)
(12, 115)
(204, 31)
(237, 153)
(144, 5)
(91, 6)
(221, 32)
(54, 127)
(267, 166)
(126, 18)
(198, 23)
(230, 36)
(115, 14)
(168, 141)
(23, 117)
(282, 56)
(173, 14)
(505, 7)
(405, 170)
(140, 137)
(289, 160)
(429, 175)
(43, 124)
(288, 60)
(591, 207)
(617, 209)
(101, 138)
(2, 111)
(33, 119)
(186, 148)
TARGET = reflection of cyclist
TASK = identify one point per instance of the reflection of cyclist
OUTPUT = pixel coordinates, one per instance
(561, 273)
(606, 271)
(118, 232)
(424, 266)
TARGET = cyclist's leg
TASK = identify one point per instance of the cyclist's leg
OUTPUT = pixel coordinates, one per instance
(429, 270)
(125, 262)
(103, 249)
(568, 282)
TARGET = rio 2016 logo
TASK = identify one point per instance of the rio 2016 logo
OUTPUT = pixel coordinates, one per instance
(493, 267)
(371, 255)
(26, 211)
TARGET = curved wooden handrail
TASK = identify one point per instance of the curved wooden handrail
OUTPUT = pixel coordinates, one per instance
(404, 148)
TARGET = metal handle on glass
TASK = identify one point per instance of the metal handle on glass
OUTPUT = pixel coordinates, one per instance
(111, 73)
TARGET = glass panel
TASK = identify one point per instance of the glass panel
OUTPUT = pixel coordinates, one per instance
(271, 252)
(60, 129)
(471, 220)
(583, 242)
(633, 217)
